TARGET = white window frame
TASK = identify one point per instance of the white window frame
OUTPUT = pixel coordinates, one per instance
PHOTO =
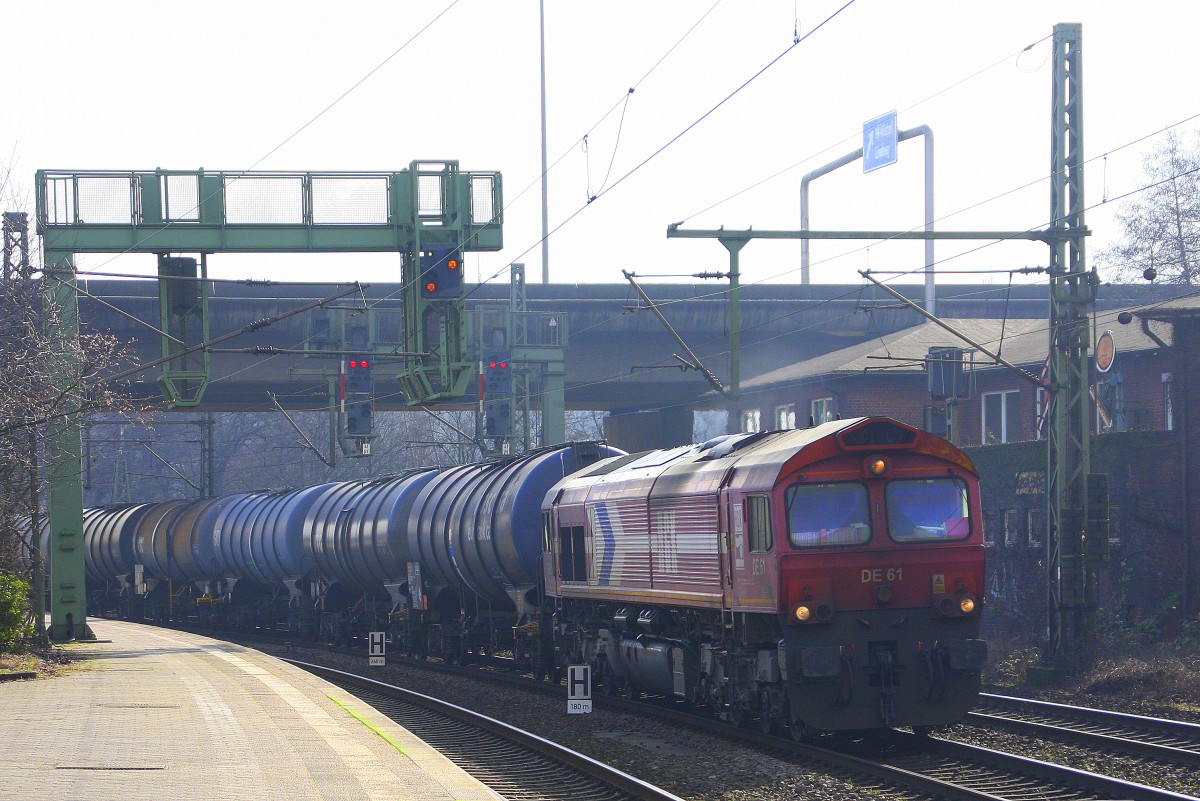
(1040, 399)
(1003, 436)
(785, 416)
(751, 421)
(822, 410)
(1168, 381)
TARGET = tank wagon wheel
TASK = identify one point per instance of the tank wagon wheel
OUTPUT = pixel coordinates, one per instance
(632, 693)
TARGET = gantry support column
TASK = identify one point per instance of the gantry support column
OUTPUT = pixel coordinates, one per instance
(64, 453)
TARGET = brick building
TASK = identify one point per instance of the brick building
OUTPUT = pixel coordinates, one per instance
(996, 404)
(1145, 424)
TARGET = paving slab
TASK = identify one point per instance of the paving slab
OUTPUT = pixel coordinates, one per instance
(160, 714)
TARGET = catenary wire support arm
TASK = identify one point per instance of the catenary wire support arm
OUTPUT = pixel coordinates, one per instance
(173, 468)
(1028, 376)
(692, 359)
(121, 312)
(307, 442)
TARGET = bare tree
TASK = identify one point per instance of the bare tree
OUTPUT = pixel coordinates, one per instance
(1161, 226)
(35, 394)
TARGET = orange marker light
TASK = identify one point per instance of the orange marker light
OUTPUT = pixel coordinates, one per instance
(431, 286)
(452, 264)
(878, 466)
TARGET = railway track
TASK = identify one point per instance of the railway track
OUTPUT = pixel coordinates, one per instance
(938, 767)
(518, 765)
(909, 766)
(1167, 740)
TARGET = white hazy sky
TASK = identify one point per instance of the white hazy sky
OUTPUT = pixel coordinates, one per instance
(139, 84)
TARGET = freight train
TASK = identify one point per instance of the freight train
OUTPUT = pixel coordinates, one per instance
(821, 579)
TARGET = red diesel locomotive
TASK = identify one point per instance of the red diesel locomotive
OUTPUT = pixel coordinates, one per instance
(823, 579)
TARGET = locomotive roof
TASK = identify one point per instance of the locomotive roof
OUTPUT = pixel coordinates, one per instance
(745, 461)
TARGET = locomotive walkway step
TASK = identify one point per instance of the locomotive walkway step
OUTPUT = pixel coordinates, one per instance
(165, 714)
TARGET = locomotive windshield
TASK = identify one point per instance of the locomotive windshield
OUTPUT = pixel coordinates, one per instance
(927, 510)
(828, 514)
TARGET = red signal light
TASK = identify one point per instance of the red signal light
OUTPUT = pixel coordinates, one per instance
(353, 363)
(491, 364)
(430, 286)
(504, 364)
(364, 363)
(452, 264)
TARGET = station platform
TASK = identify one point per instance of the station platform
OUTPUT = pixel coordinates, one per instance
(157, 713)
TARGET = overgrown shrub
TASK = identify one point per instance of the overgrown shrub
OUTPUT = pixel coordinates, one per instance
(14, 611)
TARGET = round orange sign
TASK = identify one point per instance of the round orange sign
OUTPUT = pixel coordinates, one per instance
(1106, 351)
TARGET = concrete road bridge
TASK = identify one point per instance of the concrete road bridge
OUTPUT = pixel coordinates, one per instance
(619, 356)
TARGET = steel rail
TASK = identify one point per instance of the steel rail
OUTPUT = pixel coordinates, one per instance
(1159, 738)
(630, 785)
(1059, 775)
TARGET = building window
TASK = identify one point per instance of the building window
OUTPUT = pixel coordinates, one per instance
(822, 411)
(1035, 526)
(1168, 406)
(751, 421)
(1109, 394)
(993, 521)
(785, 416)
(1012, 524)
(1000, 417)
(937, 420)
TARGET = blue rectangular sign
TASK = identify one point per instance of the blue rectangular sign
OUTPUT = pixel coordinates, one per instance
(880, 142)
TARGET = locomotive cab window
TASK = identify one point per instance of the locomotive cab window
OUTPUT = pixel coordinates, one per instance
(927, 510)
(828, 514)
(759, 524)
(572, 556)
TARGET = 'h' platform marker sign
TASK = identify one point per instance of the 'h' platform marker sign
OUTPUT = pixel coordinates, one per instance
(378, 648)
(579, 689)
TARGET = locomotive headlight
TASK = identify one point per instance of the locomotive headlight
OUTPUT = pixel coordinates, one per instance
(875, 467)
(967, 605)
(802, 613)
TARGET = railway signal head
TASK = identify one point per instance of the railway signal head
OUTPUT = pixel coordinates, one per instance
(497, 418)
(358, 373)
(359, 414)
(497, 374)
(441, 272)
